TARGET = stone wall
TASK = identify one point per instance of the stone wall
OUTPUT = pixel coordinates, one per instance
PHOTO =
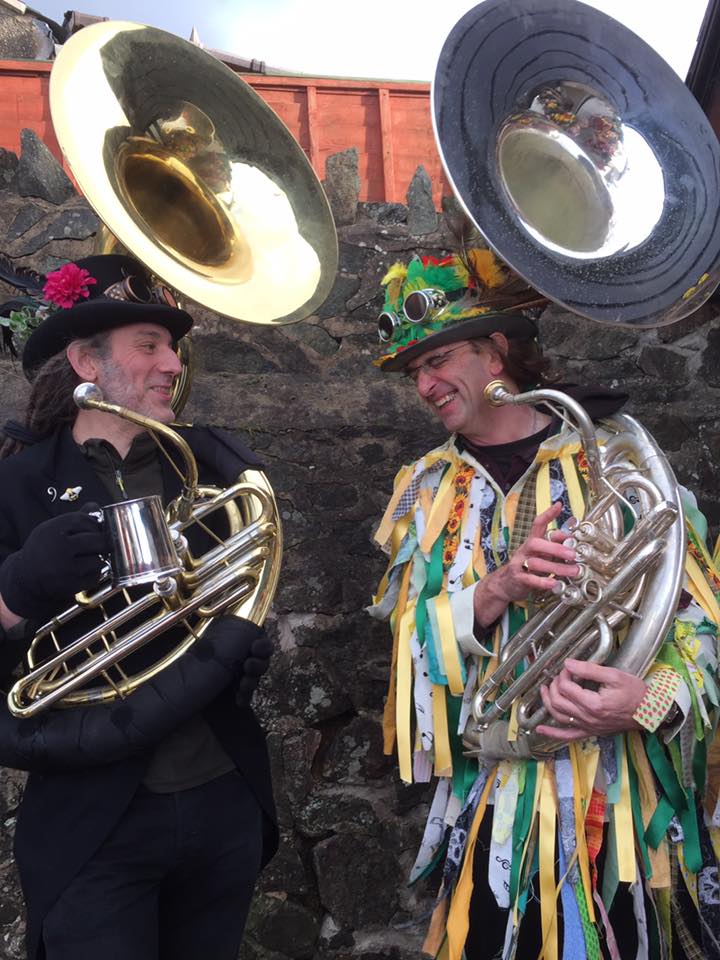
(333, 431)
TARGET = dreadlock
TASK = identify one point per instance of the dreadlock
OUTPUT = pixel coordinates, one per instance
(51, 405)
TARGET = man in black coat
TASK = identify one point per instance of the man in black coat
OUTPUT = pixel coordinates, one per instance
(145, 821)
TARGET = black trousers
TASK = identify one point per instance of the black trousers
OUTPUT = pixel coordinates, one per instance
(173, 881)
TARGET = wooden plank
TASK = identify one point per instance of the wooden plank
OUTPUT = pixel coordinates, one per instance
(314, 131)
(388, 122)
(386, 142)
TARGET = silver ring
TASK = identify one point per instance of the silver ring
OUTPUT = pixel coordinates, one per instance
(526, 566)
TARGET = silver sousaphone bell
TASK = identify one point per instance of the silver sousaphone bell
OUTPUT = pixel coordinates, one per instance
(582, 158)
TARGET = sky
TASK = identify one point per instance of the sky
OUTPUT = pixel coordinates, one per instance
(384, 39)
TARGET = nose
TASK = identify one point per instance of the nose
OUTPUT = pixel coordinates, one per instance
(425, 380)
(169, 361)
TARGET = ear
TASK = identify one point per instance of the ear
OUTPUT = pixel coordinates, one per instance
(83, 361)
(500, 342)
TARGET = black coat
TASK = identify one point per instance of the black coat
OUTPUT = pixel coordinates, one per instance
(65, 816)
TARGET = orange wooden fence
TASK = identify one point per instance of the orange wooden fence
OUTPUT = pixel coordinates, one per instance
(389, 123)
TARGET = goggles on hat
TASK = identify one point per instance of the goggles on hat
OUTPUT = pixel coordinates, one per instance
(419, 306)
(137, 290)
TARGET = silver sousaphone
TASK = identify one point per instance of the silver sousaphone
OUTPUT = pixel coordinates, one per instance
(593, 173)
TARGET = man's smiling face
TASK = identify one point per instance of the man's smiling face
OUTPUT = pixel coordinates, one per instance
(451, 380)
(139, 370)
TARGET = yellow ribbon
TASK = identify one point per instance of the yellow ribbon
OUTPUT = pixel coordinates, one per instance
(624, 833)
(511, 504)
(700, 589)
(448, 643)
(398, 532)
(542, 488)
(404, 694)
(548, 908)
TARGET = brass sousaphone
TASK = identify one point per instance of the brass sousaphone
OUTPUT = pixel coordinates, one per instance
(195, 175)
(592, 172)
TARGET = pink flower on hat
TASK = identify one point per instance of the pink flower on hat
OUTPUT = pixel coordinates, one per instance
(64, 287)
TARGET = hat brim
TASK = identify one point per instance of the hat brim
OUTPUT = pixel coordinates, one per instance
(495, 57)
(97, 316)
(514, 326)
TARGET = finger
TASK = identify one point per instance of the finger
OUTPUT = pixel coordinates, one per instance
(538, 546)
(541, 521)
(87, 544)
(586, 670)
(255, 667)
(583, 702)
(539, 565)
(545, 584)
(561, 709)
(558, 536)
(262, 646)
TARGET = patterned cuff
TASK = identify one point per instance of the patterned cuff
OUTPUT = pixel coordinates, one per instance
(659, 698)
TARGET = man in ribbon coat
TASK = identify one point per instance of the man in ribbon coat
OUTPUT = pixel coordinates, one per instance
(596, 834)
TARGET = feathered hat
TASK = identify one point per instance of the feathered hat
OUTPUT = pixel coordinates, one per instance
(82, 298)
(430, 302)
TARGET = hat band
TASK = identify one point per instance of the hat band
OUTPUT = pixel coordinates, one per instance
(133, 289)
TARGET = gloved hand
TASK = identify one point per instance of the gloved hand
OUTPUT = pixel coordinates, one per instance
(254, 666)
(60, 557)
(251, 651)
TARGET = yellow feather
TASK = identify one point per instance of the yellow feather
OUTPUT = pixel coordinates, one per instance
(461, 272)
(487, 267)
(394, 279)
(398, 271)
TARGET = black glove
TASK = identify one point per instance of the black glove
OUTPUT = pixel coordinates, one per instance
(254, 666)
(60, 557)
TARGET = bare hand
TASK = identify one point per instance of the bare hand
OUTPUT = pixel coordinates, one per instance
(535, 565)
(582, 713)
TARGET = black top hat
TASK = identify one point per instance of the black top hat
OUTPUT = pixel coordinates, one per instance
(123, 293)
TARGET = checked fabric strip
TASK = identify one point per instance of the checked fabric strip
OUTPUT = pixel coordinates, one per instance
(525, 513)
(409, 497)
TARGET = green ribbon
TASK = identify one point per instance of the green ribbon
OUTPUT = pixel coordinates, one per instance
(670, 655)
(521, 825)
(464, 768)
(677, 800)
(433, 585)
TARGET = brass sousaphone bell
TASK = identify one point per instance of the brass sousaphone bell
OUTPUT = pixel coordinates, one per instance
(193, 174)
(592, 172)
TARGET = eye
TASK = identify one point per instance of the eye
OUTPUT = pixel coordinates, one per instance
(436, 362)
